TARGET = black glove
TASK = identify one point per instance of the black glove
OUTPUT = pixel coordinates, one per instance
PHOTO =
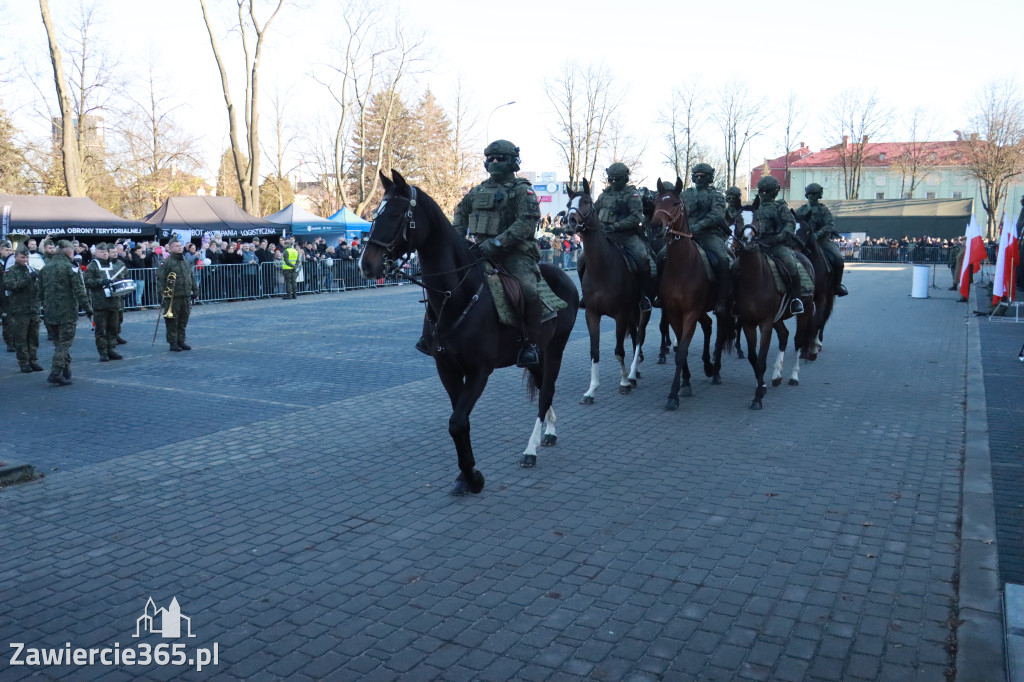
(607, 229)
(489, 248)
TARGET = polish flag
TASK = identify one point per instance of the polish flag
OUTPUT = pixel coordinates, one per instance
(974, 253)
(1006, 264)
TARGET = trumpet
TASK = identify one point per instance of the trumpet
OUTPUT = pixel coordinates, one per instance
(168, 295)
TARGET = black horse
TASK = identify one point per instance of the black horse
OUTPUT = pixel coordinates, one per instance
(468, 342)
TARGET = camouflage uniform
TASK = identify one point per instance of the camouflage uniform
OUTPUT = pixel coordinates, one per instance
(63, 295)
(820, 220)
(107, 309)
(180, 304)
(733, 213)
(705, 211)
(22, 282)
(778, 232)
(621, 212)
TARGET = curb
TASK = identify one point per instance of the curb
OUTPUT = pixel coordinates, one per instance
(981, 653)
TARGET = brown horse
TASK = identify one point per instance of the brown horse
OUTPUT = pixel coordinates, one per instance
(468, 341)
(609, 289)
(686, 293)
(761, 308)
(824, 286)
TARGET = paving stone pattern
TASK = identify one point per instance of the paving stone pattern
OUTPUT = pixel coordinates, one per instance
(287, 482)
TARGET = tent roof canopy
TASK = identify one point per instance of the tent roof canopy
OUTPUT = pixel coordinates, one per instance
(46, 216)
(350, 220)
(210, 214)
(301, 222)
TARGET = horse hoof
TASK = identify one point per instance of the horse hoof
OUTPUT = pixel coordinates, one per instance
(625, 390)
(812, 357)
(716, 380)
(686, 391)
(777, 382)
(756, 405)
(460, 488)
(587, 400)
(632, 382)
(709, 371)
(529, 461)
(803, 355)
(794, 382)
(477, 484)
(672, 404)
(549, 439)
(661, 360)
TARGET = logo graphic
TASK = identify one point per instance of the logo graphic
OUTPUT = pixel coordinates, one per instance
(168, 620)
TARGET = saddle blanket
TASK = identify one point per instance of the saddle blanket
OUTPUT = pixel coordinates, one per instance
(507, 314)
(780, 285)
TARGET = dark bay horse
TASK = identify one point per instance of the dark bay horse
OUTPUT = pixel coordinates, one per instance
(686, 293)
(468, 342)
(609, 289)
(655, 236)
(760, 309)
(824, 286)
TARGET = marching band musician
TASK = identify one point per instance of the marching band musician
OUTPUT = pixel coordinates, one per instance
(179, 302)
(22, 281)
(101, 273)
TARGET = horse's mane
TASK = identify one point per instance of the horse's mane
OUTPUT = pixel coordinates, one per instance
(435, 213)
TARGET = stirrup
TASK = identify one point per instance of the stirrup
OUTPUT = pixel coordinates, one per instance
(645, 303)
(528, 356)
(421, 346)
(841, 290)
(796, 306)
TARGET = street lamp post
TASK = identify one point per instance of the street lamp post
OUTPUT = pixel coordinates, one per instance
(487, 128)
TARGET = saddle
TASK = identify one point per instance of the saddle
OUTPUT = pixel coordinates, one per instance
(507, 294)
(781, 274)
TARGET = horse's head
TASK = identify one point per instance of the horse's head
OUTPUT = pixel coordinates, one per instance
(393, 231)
(804, 232)
(669, 211)
(748, 237)
(581, 215)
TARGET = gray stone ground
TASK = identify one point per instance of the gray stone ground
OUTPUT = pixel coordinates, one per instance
(287, 482)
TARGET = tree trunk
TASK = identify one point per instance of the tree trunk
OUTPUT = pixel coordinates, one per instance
(69, 142)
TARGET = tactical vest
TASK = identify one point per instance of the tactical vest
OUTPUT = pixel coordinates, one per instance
(493, 209)
(616, 207)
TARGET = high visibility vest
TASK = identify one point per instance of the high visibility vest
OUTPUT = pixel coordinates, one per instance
(290, 254)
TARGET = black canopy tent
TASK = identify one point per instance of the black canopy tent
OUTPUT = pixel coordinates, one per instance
(41, 216)
(941, 218)
(201, 216)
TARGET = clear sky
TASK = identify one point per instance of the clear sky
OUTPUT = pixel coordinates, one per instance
(928, 54)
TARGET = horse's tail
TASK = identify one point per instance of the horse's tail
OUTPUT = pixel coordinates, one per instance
(532, 385)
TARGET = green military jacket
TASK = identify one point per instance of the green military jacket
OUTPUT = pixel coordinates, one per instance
(705, 209)
(184, 284)
(776, 224)
(508, 211)
(63, 292)
(24, 291)
(819, 218)
(97, 276)
(621, 211)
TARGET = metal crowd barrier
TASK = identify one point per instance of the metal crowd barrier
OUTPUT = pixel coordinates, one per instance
(896, 254)
(258, 280)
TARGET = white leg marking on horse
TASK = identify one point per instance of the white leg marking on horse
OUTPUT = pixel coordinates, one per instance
(777, 372)
(796, 370)
(594, 380)
(635, 365)
(531, 447)
(624, 380)
(549, 422)
(817, 346)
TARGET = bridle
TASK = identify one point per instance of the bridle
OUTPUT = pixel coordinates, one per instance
(671, 225)
(584, 217)
(401, 235)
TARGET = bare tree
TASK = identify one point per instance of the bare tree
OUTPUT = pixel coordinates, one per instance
(855, 118)
(69, 143)
(283, 139)
(995, 149)
(625, 148)
(739, 117)
(584, 101)
(793, 124)
(683, 118)
(915, 159)
(246, 158)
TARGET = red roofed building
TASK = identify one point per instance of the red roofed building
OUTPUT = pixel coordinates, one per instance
(777, 169)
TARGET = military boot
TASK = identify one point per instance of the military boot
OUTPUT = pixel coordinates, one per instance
(422, 347)
(176, 348)
(646, 287)
(114, 355)
(56, 379)
(184, 346)
(36, 367)
(26, 369)
(841, 289)
(529, 355)
(104, 357)
(120, 341)
(66, 372)
(796, 306)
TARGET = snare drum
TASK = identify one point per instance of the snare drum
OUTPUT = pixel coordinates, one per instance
(121, 288)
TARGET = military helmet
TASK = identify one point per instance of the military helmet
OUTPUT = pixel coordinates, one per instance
(813, 188)
(703, 168)
(505, 147)
(734, 191)
(768, 184)
(618, 169)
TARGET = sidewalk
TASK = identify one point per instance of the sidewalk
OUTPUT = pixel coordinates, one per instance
(287, 483)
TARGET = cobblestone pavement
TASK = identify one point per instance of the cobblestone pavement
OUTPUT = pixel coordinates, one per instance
(286, 481)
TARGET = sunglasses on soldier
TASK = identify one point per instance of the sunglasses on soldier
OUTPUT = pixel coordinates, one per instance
(499, 158)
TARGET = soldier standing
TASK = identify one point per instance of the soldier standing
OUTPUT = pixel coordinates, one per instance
(63, 294)
(705, 210)
(501, 214)
(290, 266)
(817, 215)
(778, 232)
(22, 281)
(100, 274)
(180, 300)
(621, 214)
